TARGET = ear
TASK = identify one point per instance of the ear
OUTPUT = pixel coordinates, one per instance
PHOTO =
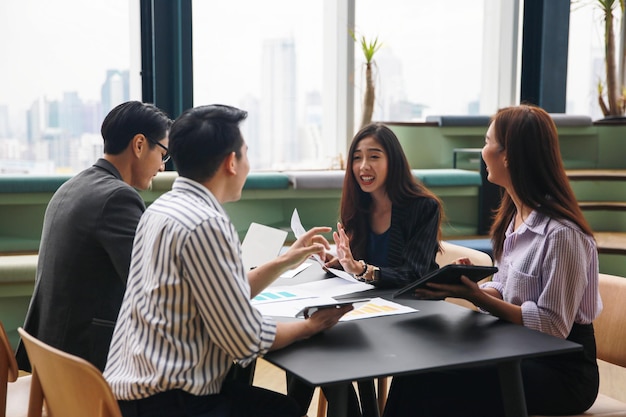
(230, 163)
(138, 144)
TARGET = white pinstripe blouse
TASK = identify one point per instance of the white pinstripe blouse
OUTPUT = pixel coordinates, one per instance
(186, 314)
(550, 268)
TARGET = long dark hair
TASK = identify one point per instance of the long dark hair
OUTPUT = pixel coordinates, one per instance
(400, 186)
(528, 136)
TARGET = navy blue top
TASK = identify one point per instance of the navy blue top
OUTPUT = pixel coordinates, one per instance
(378, 248)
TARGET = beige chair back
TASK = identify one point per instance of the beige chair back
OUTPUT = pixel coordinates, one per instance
(610, 326)
(14, 390)
(70, 386)
(451, 252)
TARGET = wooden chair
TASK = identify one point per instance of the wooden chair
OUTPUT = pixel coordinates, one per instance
(610, 330)
(69, 385)
(14, 389)
(450, 253)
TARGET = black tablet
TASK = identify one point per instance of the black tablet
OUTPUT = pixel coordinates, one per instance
(308, 311)
(449, 274)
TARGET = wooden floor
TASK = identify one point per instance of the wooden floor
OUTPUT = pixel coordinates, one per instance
(269, 376)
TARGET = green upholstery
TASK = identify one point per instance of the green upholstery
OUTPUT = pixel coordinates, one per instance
(447, 177)
(31, 183)
(266, 181)
(255, 181)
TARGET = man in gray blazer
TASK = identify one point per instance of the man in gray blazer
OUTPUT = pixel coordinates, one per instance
(88, 233)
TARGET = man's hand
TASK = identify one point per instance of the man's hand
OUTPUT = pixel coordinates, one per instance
(310, 243)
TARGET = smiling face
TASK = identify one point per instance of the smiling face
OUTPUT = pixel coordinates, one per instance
(370, 165)
(494, 156)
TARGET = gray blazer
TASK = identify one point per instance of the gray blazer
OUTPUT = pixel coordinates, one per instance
(83, 263)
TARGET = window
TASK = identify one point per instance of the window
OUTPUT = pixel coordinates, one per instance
(431, 59)
(266, 58)
(585, 66)
(66, 63)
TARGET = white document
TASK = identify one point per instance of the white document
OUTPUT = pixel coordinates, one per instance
(290, 308)
(261, 244)
(375, 307)
(299, 230)
(293, 272)
(333, 287)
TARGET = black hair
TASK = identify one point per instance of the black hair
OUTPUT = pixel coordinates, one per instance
(129, 119)
(202, 137)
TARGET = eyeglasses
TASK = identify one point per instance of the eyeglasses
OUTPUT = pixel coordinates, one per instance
(165, 157)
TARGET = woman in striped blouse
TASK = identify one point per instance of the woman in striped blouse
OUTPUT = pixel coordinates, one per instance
(389, 231)
(547, 281)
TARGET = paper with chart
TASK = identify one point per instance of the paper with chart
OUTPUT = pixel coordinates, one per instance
(377, 307)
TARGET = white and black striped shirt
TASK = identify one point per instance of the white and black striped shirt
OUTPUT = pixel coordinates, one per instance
(186, 314)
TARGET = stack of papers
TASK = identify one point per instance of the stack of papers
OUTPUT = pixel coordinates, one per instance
(287, 301)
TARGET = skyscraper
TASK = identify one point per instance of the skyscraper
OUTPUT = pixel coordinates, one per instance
(278, 103)
(115, 90)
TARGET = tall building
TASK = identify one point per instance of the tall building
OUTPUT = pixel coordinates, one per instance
(250, 130)
(278, 103)
(5, 130)
(115, 90)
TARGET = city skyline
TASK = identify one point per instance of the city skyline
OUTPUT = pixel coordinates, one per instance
(416, 76)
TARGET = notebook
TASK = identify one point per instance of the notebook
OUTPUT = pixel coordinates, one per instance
(449, 274)
(261, 244)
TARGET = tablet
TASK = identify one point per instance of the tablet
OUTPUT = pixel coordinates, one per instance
(308, 311)
(449, 274)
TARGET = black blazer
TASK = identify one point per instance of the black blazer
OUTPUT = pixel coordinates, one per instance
(413, 242)
(83, 263)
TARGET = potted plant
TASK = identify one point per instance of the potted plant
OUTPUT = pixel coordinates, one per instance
(369, 48)
(615, 104)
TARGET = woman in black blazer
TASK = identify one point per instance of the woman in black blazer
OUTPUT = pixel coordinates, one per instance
(389, 231)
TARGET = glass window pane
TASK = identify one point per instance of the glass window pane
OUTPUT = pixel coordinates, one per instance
(66, 63)
(431, 59)
(266, 58)
(585, 65)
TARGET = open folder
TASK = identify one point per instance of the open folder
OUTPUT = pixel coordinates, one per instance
(261, 244)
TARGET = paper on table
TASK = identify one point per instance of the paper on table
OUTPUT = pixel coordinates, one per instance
(282, 294)
(290, 308)
(293, 272)
(333, 287)
(376, 307)
(343, 275)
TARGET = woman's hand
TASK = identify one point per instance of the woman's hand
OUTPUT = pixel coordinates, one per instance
(344, 253)
(467, 289)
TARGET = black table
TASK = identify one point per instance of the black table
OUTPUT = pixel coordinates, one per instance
(439, 336)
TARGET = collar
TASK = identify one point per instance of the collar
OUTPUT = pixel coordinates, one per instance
(190, 186)
(109, 167)
(536, 223)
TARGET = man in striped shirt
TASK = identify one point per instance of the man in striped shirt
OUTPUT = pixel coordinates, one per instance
(186, 315)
